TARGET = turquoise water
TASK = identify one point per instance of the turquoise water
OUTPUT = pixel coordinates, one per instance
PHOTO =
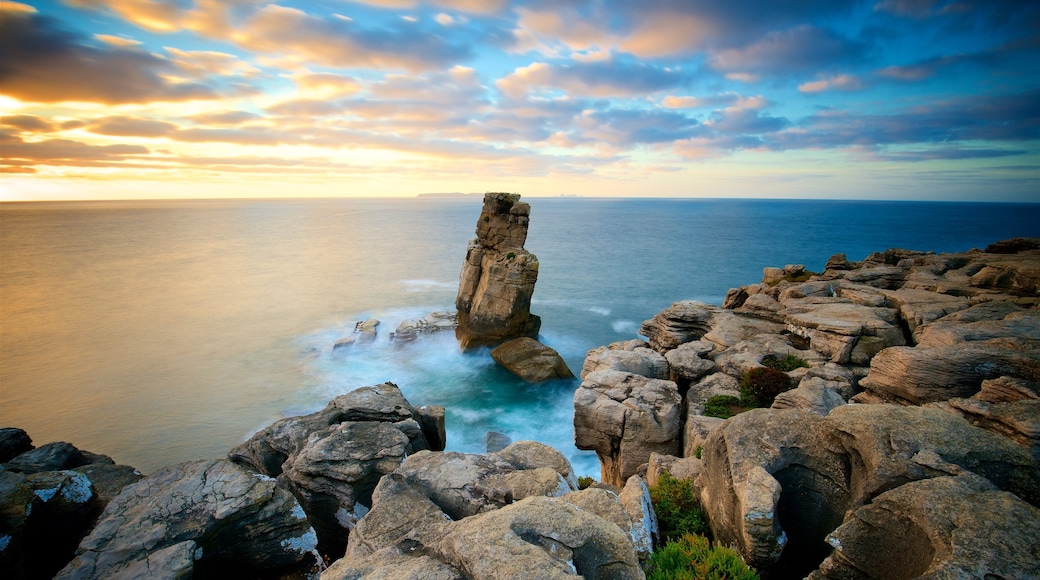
(158, 332)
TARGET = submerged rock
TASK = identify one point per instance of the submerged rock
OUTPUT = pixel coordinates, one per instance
(498, 276)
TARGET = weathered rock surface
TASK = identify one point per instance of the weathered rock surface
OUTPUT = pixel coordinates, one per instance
(194, 517)
(432, 323)
(13, 442)
(498, 276)
(945, 527)
(364, 331)
(633, 356)
(332, 459)
(531, 360)
(50, 498)
(501, 515)
(775, 483)
(682, 322)
(624, 417)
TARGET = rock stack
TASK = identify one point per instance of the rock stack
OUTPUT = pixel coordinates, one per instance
(498, 276)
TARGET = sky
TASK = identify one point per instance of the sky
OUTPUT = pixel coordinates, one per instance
(822, 99)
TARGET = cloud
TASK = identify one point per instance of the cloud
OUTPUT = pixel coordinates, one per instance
(120, 126)
(609, 78)
(795, 49)
(843, 82)
(119, 41)
(942, 153)
(632, 127)
(337, 43)
(204, 63)
(225, 118)
(37, 52)
(471, 6)
(28, 123)
(66, 150)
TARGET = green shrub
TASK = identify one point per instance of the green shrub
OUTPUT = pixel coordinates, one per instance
(511, 255)
(487, 218)
(723, 406)
(585, 481)
(788, 363)
(697, 452)
(761, 385)
(692, 557)
(675, 503)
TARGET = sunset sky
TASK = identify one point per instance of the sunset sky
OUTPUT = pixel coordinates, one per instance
(882, 99)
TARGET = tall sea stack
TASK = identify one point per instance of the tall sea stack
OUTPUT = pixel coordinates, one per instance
(498, 276)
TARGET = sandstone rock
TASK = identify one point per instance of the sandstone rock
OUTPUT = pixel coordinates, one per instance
(1013, 246)
(888, 277)
(696, 430)
(108, 480)
(945, 527)
(635, 498)
(833, 328)
(920, 307)
(531, 360)
(728, 328)
(624, 417)
(531, 455)
(202, 515)
(13, 442)
(762, 306)
(838, 262)
(540, 537)
(632, 356)
(841, 379)
(54, 457)
(814, 396)
(1019, 421)
(921, 375)
(269, 448)
(334, 474)
(771, 275)
(495, 441)
(1016, 274)
(434, 322)
(685, 363)
(498, 276)
(678, 467)
(681, 322)
(1008, 390)
(748, 354)
(400, 562)
(431, 418)
(332, 459)
(776, 482)
(712, 385)
(364, 331)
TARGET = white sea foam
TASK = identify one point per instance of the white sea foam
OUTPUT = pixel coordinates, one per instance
(630, 327)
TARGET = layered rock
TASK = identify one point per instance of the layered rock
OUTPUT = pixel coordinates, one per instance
(624, 417)
(776, 483)
(531, 360)
(332, 459)
(515, 513)
(209, 517)
(435, 322)
(50, 498)
(498, 276)
(632, 356)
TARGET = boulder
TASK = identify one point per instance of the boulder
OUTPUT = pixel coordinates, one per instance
(762, 306)
(1019, 421)
(681, 322)
(531, 360)
(203, 516)
(814, 396)
(332, 459)
(539, 537)
(696, 430)
(748, 354)
(364, 331)
(498, 276)
(678, 467)
(945, 527)
(412, 329)
(632, 356)
(334, 474)
(624, 417)
(775, 483)
(729, 328)
(686, 364)
(495, 441)
(54, 457)
(13, 442)
(1008, 390)
(833, 328)
(501, 515)
(712, 385)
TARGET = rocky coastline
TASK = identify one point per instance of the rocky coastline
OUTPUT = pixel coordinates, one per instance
(905, 443)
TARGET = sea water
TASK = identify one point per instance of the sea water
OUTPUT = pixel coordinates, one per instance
(164, 331)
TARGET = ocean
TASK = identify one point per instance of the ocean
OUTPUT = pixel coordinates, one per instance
(164, 331)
